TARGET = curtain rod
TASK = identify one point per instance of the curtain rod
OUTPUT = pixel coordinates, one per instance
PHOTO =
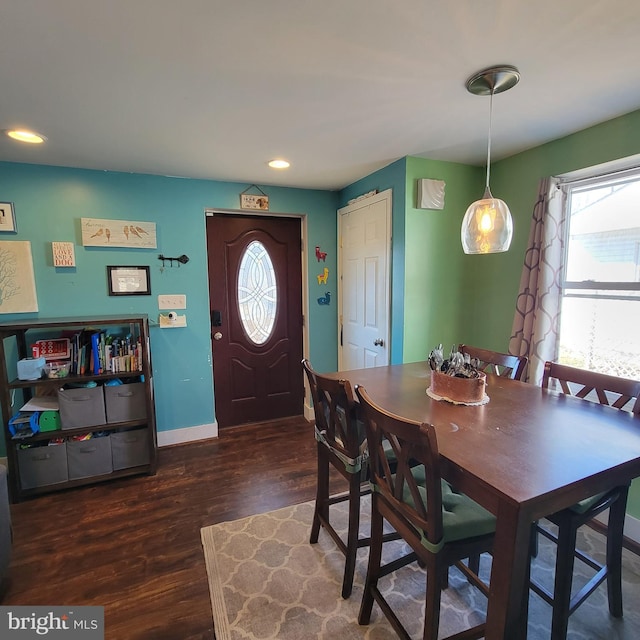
(620, 174)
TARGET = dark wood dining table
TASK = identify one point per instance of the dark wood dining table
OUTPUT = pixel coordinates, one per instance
(526, 453)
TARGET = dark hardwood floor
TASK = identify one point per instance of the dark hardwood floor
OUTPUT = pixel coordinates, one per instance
(133, 545)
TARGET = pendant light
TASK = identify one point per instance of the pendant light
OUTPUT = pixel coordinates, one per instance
(487, 226)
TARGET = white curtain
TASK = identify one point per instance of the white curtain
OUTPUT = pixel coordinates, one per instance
(536, 323)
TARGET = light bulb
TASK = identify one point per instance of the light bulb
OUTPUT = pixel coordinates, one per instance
(486, 220)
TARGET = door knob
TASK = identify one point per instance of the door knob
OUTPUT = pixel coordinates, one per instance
(217, 336)
(379, 342)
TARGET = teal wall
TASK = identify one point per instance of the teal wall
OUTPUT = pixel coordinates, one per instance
(49, 203)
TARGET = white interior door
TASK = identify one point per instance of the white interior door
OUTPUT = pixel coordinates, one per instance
(364, 242)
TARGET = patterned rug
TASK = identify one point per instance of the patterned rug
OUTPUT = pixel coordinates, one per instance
(267, 582)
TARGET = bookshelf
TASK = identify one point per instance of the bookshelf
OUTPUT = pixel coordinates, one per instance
(105, 424)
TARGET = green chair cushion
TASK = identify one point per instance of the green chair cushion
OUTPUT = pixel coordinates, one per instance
(462, 517)
(584, 505)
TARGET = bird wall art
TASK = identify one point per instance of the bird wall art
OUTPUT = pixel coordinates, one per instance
(97, 232)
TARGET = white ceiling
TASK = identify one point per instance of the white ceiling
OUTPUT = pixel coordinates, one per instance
(215, 88)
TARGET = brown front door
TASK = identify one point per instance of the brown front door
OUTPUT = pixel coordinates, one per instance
(255, 287)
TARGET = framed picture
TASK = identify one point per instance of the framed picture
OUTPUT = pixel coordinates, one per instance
(128, 281)
(97, 232)
(17, 281)
(7, 218)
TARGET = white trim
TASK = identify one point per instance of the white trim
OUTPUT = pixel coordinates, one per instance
(600, 171)
(631, 525)
(308, 409)
(187, 434)
(632, 528)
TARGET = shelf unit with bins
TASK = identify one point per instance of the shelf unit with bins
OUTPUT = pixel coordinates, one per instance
(15, 344)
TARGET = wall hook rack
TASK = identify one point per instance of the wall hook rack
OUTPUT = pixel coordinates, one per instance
(183, 259)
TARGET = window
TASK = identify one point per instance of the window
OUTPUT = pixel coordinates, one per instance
(257, 293)
(600, 319)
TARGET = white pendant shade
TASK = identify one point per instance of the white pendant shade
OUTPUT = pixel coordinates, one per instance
(487, 226)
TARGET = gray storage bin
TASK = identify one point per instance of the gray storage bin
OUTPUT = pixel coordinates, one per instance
(82, 407)
(88, 458)
(130, 448)
(125, 402)
(40, 466)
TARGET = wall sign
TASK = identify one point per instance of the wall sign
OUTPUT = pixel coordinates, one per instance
(259, 202)
(118, 233)
(63, 254)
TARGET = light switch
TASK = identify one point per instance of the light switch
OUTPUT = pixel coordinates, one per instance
(177, 301)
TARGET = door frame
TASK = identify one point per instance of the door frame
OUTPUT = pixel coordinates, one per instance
(209, 212)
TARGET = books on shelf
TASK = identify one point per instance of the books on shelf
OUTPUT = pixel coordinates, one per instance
(94, 351)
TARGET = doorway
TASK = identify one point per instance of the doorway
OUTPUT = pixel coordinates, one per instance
(255, 292)
(364, 258)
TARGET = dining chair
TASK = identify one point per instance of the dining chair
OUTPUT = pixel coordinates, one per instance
(440, 525)
(341, 445)
(502, 364)
(622, 394)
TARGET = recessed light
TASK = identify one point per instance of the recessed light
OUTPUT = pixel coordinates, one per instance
(23, 135)
(279, 164)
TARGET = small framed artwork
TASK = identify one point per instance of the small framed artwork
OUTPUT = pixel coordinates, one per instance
(7, 218)
(256, 202)
(128, 281)
(63, 254)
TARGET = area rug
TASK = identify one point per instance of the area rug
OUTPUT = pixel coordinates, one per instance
(268, 583)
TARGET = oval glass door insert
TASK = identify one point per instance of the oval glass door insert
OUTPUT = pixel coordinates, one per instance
(257, 293)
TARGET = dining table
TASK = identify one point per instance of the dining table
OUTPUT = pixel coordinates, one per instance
(525, 453)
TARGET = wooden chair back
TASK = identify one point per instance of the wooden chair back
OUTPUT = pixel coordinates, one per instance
(620, 393)
(335, 410)
(414, 445)
(501, 364)
(313, 385)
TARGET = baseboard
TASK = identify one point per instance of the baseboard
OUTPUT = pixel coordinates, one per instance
(631, 530)
(308, 412)
(187, 434)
